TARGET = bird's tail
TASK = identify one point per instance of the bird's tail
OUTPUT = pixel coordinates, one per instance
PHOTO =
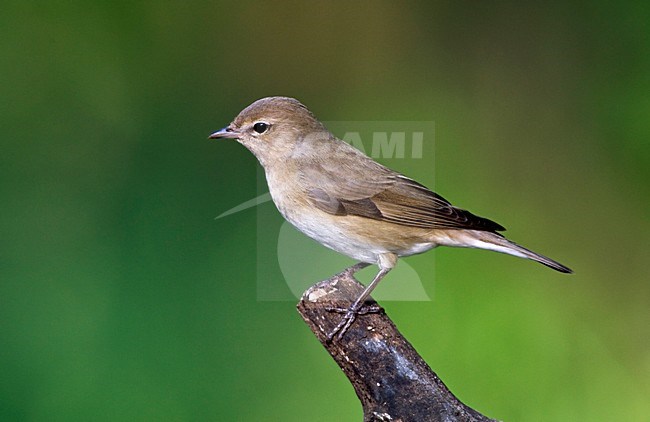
(496, 242)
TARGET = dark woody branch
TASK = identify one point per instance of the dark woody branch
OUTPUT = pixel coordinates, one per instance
(390, 378)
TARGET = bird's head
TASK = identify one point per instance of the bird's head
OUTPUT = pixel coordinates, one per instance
(271, 128)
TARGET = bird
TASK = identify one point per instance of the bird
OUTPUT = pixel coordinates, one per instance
(350, 203)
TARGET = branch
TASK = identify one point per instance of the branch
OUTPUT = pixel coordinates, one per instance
(390, 378)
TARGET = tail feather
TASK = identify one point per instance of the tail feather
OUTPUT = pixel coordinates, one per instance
(540, 258)
(498, 243)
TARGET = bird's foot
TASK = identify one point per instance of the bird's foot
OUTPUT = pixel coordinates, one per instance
(350, 315)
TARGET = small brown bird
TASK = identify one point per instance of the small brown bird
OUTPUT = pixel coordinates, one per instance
(345, 200)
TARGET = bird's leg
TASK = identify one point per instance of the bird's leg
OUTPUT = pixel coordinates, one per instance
(357, 307)
(350, 271)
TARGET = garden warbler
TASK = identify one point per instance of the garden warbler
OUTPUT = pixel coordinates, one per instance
(345, 200)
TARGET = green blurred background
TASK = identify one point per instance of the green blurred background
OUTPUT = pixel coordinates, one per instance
(122, 298)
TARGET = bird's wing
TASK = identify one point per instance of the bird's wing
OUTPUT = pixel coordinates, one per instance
(374, 191)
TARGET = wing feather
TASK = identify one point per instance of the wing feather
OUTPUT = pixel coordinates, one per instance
(354, 184)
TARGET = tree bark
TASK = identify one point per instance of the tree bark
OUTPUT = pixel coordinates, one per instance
(392, 381)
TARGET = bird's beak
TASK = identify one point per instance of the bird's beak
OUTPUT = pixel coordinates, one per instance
(225, 133)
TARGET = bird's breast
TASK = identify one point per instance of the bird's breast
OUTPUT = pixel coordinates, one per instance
(361, 238)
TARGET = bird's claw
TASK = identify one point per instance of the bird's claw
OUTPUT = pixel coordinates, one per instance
(371, 309)
(348, 319)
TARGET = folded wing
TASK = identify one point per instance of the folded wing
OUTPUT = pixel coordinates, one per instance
(389, 196)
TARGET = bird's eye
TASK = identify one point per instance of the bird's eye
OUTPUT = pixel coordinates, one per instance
(260, 127)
